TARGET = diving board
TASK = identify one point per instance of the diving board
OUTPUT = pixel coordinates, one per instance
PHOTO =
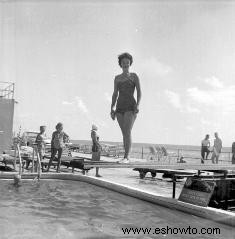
(206, 167)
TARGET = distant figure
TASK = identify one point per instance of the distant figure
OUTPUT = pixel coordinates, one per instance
(127, 107)
(233, 153)
(181, 160)
(216, 148)
(17, 180)
(58, 140)
(96, 147)
(40, 141)
(205, 148)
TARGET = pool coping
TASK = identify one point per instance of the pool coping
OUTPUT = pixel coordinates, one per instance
(210, 213)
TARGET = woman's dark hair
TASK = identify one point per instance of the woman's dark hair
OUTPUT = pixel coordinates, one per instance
(125, 55)
(58, 125)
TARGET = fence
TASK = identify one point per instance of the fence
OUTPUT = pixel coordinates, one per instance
(189, 154)
(141, 152)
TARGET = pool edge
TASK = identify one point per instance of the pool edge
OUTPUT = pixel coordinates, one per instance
(213, 214)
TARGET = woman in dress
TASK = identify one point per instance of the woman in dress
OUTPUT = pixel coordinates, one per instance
(126, 105)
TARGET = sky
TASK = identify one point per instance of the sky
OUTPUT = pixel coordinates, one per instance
(62, 57)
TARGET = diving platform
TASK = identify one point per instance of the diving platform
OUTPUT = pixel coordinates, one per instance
(185, 166)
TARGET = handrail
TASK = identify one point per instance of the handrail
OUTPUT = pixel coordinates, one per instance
(32, 170)
(35, 150)
(20, 159)
(17, 178)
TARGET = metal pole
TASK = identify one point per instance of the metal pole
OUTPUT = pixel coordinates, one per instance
(15, 157)
(20, 166)
(33, 161)
(174, 186)
(38, 163)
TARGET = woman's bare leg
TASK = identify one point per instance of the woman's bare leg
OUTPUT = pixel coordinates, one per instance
(120, 119)
(129, 119)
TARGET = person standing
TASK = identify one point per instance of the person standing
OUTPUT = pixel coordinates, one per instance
(205, 145)
(126, 105)
(40, 141)
(58, 140)
(96, 147)
(216, 148)
(233, 153)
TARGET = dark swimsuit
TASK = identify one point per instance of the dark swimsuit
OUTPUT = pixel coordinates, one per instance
(126, 101)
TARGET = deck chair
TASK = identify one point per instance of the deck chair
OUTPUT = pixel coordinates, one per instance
(153, 154)
(158, 153)
(164, 153)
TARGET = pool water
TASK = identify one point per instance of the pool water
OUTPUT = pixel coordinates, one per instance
(69, 209)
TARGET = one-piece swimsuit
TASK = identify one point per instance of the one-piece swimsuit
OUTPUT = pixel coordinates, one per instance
(126, 101)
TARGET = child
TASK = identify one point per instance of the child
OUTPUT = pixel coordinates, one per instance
(59, 138)
(40, 141)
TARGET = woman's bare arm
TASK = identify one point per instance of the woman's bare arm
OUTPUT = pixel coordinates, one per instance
(115, 94)
(138, 90)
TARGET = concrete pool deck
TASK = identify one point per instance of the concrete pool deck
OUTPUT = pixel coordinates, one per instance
(129, 177)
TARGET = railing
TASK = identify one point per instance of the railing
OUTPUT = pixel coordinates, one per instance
(7, 90)
(36, 168)
(20, 160)
(145, 153)
(189, 154)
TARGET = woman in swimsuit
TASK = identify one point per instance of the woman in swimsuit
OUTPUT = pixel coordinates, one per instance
(127, 107)
(96, 147)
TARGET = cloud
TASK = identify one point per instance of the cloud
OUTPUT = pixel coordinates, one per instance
(218, 97)
(81, 105)
(200, 96)
(214, 82)
(174, 99)
(84, 110)
(222, 99)
(67, 103)
(153, 67)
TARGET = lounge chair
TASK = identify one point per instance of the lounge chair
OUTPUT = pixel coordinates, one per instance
(153, 155)
(157, 153)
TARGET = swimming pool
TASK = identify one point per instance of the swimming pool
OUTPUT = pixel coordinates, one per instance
(73, 209)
